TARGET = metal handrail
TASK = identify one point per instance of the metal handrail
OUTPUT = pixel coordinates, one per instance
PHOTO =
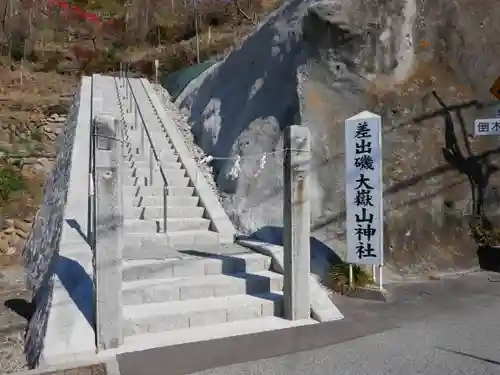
(152, 148)
(91, 208)
(147, 132)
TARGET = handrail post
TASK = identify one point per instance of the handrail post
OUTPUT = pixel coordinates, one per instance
(127, 83)
(135, 115)
(142, 136)
(127, 105)
(131, 101)
(165, 193)
(129, 97)
(151, 165)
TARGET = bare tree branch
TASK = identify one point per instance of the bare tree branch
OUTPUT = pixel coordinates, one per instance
(4, 21)
(238, 8)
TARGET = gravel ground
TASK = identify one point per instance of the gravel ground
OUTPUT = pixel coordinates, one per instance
(12, 325)
(89, 370)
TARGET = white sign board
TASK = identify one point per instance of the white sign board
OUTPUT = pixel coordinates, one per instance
(488, 126)
(364, 188)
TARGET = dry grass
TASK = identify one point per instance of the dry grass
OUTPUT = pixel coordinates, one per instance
(25, 90)
(339, 277)
(23, 103)
(69, 45)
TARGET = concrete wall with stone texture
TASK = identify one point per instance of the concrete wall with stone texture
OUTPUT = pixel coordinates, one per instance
(58, 260)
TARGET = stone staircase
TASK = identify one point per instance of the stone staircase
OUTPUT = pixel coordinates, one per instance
(110, 291)
(144, 199)
(181, 293)
(184, 278)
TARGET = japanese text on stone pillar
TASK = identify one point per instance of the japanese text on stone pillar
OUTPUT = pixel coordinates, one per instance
(364, 189)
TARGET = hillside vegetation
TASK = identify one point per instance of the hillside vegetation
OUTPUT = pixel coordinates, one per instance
(45, 46)
(60, 39)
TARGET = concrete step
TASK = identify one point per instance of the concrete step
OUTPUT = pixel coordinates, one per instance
(152, 213)
(136, 190)
(173, 200)
(134, 148)
(156, 317)
(173, 225)
(134, 172)
(203, 244)
(154, 128)
(145, 164)
(134, 140)
(160, 133)
(182, 191)
(173, 179)
(157, 245)
(131, 253)
(180, 289)
(178, 191)
(135, 154)
(137, 133)
(170, 174)
(211, 332)
(209, 264)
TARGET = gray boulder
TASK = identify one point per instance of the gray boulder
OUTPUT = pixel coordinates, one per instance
(425, 67)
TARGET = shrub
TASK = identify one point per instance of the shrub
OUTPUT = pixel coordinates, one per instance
(18, 41)
(11, 182)
(483, 233)
(339, 277)
(103, 61)
(173, 31)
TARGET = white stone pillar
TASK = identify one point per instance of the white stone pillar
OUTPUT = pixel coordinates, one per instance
(296, 220)
(109, 231)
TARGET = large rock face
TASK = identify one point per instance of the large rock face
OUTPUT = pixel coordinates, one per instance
(425, 67)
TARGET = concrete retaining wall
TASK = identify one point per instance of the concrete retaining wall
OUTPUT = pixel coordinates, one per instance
(58, 260)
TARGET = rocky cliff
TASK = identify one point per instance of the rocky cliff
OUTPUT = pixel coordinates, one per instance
(425, 67)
